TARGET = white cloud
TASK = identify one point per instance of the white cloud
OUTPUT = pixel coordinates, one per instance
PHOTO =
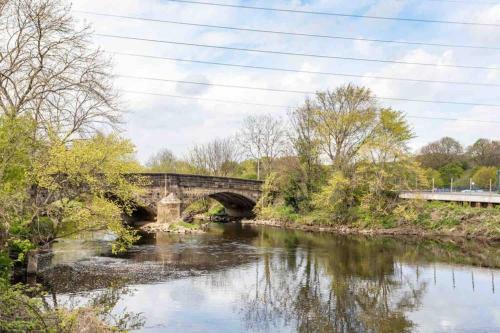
(155, 122)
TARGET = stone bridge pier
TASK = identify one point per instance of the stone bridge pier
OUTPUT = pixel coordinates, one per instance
(169, 194)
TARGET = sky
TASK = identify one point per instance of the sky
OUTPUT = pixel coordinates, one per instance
(157, 122)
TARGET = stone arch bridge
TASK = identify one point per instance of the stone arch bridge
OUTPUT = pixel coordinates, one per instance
(168, 194)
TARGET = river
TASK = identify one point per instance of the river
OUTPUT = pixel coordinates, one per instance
(238, 278)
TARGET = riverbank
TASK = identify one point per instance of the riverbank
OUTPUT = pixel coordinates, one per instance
(423, 219)
(351, 230)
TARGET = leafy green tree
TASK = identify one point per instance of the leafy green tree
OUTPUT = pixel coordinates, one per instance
(335, 200)
(16, 146)
(84, 187)
(450, 171)
(386, 168)
(247, 169)
(484, 175)
(58, 176)
(383, 168)
(431, 175)
(344, 119)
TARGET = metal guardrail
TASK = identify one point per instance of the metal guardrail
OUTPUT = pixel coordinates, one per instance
(473, 197)
(463, 192)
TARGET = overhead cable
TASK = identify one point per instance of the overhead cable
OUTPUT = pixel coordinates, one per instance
(288, 33)
(371, 17)
(309, 55)
(298, 91)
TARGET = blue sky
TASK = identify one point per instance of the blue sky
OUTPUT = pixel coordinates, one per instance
(155, 122)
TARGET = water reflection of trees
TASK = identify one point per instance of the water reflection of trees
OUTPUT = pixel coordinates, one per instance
(343, 286)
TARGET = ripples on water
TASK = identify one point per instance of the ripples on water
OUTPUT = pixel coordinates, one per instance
(247, 279)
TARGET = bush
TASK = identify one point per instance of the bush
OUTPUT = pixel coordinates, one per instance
(484, 175)
(216, 210)
(279, 212)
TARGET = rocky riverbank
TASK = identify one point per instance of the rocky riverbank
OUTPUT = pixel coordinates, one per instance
(352, 230)
(175, 228)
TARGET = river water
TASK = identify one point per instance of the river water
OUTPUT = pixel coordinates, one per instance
(240, 278)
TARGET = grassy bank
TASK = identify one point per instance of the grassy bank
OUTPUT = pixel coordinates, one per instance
(421, 218)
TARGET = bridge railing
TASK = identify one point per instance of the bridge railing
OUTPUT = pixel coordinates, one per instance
(159, 179)
(460, 189)
(453, 187)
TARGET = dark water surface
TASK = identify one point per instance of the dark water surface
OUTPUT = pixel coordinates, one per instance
(255, 279)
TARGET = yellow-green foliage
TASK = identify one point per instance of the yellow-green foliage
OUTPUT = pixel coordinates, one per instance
(20, 311)
(79, 186)
(484, 175)
(280, 213)
(215, 209)
(334, 199)
(445, 217)
(431, 175)
(15, 147)
(98, 163)
(88, 176)
(198, 207)
(270, 192)
(206, 206)
(183, 225)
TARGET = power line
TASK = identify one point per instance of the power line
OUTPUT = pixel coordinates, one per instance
(203, 99)
(288, 33)
(476, 2)
(297, 91)
(372, 17)
(295, 54)
(308, 72)
(288, 107)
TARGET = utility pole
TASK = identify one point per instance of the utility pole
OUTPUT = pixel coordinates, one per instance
(451, 186)
(498, 180)
(165, 186)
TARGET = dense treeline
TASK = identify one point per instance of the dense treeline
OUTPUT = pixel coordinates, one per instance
(447, 161)
(341, 159)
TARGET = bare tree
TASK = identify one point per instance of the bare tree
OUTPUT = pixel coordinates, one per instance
(344, 119)
(262, 138)
(218, 157)
(49, 70)
(485, 152)
(305, 142)
(163, 161)
(440, 153)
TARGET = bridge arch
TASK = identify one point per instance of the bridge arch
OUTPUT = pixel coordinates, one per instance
(235, 204)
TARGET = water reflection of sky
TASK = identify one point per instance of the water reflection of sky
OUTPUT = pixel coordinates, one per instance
(461, 308)
(199, 305)
(282, 281)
